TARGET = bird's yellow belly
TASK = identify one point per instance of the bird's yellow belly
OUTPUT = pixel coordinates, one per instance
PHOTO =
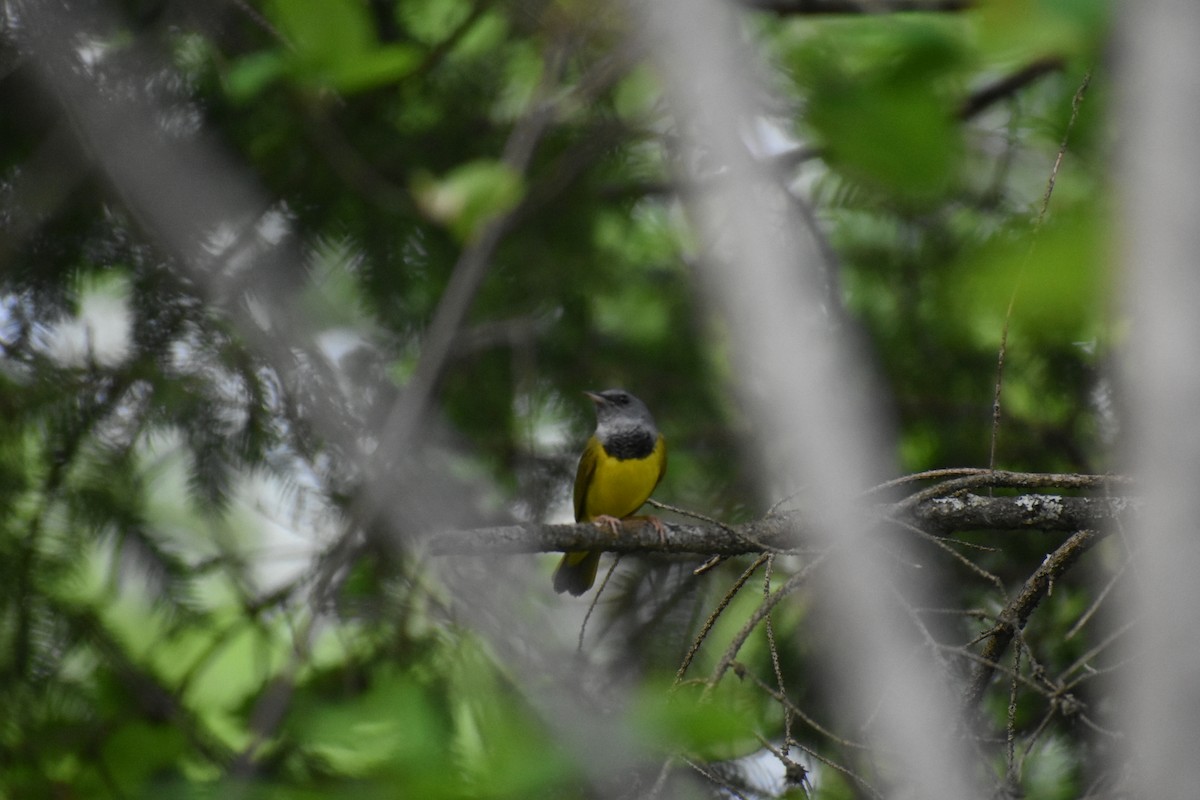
(619, 488)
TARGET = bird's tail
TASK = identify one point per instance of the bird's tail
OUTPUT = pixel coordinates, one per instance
(576, 572)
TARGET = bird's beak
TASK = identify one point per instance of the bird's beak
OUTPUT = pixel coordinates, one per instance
(595, 398)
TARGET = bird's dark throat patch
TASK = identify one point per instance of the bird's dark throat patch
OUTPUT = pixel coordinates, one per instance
(629, 443)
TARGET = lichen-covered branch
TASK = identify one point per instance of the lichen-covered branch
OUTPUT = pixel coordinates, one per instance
(785, 531)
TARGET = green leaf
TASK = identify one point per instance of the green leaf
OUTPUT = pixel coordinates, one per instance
(374, 68)
(884, 112)
(900, 137)
(330, 44)
(469, 196)
(1020, 30)
(715, 726)
(136, 753)
(394, 722)
(432, 21)
(250, 75)
(324, 31)
(636, 95)
(1057, 280)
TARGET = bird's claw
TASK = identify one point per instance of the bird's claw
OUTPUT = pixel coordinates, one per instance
(659, 528)
(614, 525)
(605, 521)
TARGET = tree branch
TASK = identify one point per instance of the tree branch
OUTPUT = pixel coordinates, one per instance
(780, 532)
(1009, 85)
(1016, 613)
(785, 8)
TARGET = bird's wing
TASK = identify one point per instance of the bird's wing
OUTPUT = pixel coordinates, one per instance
(583, 476)
(662, 466)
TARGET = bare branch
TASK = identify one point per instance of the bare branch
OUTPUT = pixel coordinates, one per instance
(816, 7)
(1013, 617)
(1008, 85)
(776, 533)
(712, 618)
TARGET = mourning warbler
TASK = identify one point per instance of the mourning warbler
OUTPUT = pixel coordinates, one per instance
(621, 464)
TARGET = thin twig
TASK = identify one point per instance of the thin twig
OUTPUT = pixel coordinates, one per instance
(796, 711)
(849, 773)
(792, 584)
(470, 270)
(931, 474)
(712, 618)
(1012, 300)
(1032, 741)
(661, 781)
(689, 513)
(996, 666)
(1103, 645)
(790, 766)
(1092, 608)
(959, 557)
(715, 779)
(774, 651)
(1008, 85)
(595, 600)
(1010, 728)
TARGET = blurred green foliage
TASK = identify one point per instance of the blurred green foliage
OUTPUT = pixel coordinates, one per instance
(146, 649)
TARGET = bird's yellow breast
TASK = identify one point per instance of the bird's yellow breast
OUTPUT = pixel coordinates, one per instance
(615, 487)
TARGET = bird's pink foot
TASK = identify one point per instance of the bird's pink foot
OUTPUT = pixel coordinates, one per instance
(605, 521)
(659, 527)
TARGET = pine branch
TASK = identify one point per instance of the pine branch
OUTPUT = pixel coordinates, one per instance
(781, 532)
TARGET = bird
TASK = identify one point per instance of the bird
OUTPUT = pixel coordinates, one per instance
(621, 465)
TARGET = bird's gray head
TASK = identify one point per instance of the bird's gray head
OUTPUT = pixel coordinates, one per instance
(618, 411)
